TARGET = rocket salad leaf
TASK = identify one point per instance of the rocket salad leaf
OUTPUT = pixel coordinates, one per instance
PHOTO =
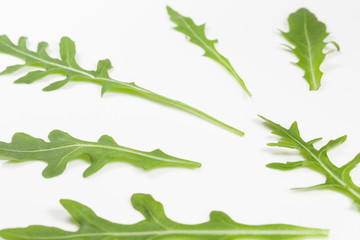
(63, 148)
(157, 226)
(196, 34)
(307, 35)
(336, 178)
(68, 66)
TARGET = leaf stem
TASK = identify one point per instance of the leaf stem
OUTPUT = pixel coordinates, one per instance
(174, 103)
(239, 79)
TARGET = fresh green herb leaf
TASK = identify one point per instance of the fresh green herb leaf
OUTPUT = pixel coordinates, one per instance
(67, 66)
(197, 36)
(62, 148)
(307, 35)
(157, 225)
(336, 178)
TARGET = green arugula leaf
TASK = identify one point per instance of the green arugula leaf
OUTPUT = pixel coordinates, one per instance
(67, 66)
(197, 36)
(336, 178)
(307, 35)
(157, 226)
(62, 148)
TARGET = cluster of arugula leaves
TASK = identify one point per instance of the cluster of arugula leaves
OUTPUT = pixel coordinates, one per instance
(306, 35)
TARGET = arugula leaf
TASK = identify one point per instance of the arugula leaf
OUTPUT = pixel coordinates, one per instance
(62, 148)
(197, 36)
(67, 66)
(307, 35)
(157, 225)
(336, 178)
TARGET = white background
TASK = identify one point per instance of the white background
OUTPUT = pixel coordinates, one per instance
(138, 38)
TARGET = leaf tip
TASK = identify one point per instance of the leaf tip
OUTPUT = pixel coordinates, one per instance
(335, 44)
(47, 174)
(65, 38)
(140, 200)
(260, 116)
(86, 174)
(65, 201)
(272, 165)
(170, 11)
(265, 119)
(56, 85)
(71, 205)
(303, 11)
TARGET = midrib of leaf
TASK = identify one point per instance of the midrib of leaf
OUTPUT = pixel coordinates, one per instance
(220, 57)
(62, 159)
(120, 149)
(341, 182)
(158, 222)
(189, 232)
(309, 52)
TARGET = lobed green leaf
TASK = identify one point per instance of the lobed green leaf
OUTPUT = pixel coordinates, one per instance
(196, 35)
(307, 35)
(336, 178)
(157, 226)
(68, 66)
(63, 148)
